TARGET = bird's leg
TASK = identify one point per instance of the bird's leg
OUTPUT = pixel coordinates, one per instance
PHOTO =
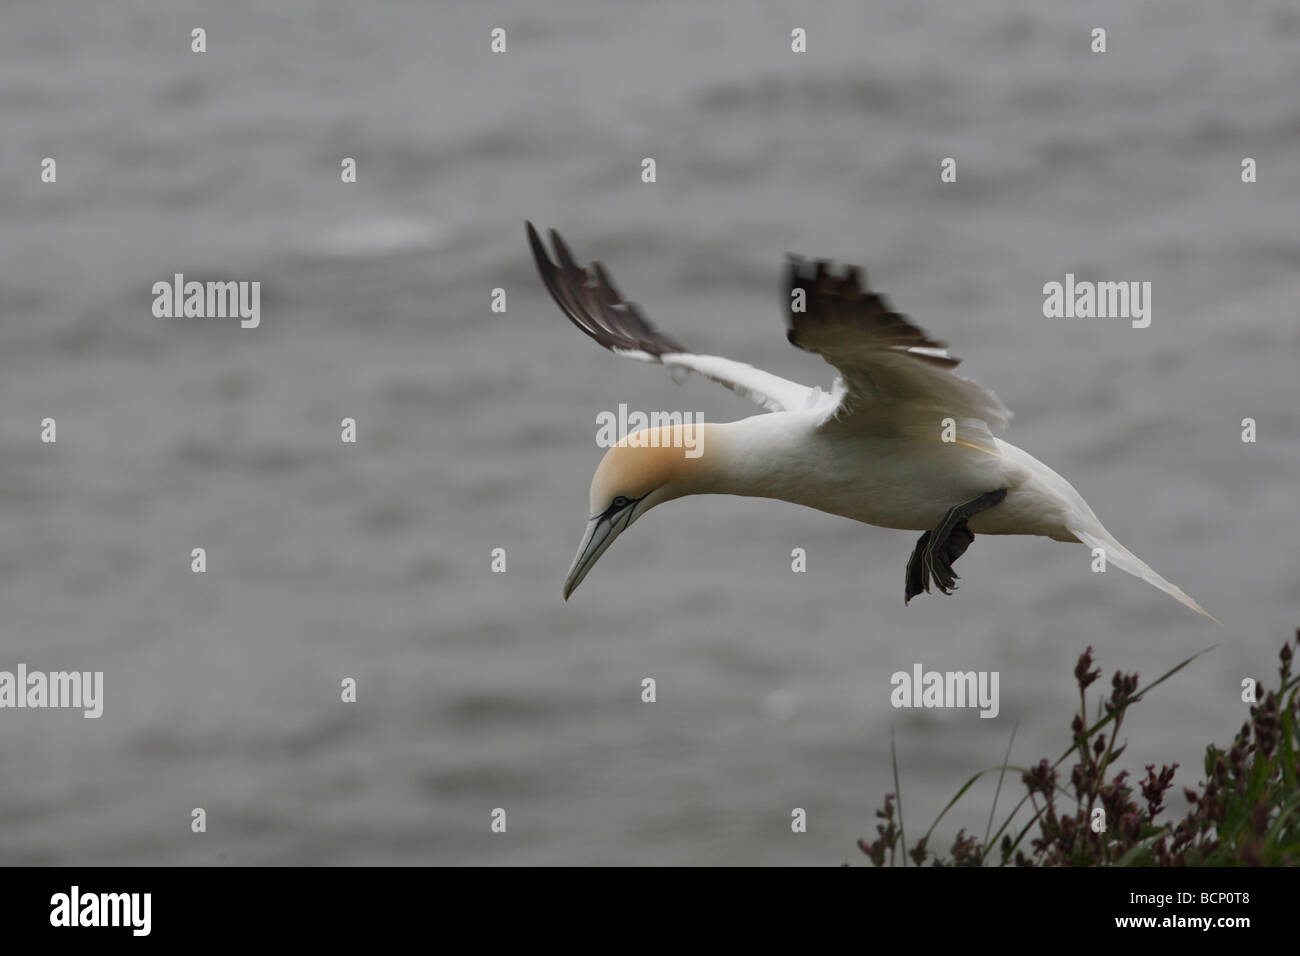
(936, 550)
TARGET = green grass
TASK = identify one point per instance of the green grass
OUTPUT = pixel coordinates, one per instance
(1246, 810)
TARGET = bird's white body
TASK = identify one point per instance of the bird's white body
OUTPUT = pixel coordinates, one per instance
(897, 481)
(889, 480)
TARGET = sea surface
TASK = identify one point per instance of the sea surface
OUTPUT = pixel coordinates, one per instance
(476, 430)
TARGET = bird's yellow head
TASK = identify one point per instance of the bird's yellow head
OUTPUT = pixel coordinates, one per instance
(645, 469)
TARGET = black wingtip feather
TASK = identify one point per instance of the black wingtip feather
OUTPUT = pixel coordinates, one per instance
(592, 302)
(833, 300)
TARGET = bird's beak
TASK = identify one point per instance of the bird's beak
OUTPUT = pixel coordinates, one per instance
(600, 534)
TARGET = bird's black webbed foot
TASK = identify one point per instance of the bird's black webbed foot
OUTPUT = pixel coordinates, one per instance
(936, 550)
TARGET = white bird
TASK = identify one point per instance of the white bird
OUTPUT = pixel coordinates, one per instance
(900, 441)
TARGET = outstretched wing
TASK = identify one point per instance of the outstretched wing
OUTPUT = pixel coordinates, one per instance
(889, 367)
(589, 299)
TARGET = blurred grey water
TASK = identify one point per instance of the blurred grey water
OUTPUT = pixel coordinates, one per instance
(479, 690)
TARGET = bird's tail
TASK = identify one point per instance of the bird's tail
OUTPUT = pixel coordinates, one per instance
(1089, 530)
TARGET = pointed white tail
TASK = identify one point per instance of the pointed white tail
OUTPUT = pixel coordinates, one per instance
(1126, 560)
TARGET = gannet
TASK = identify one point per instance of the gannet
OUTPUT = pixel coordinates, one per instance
(900, 440)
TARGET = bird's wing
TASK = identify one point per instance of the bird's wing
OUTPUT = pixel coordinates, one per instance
(591, 302)
(890, 369)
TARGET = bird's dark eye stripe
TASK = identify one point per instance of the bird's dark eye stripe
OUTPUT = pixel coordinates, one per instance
(619, 504)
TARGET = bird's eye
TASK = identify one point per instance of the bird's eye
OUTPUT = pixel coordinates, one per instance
(620, 502)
